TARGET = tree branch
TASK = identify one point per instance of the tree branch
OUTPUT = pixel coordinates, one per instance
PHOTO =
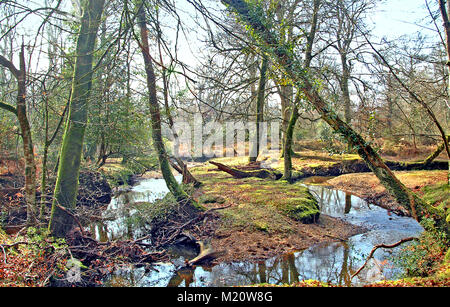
(8, 64)
(8, 107)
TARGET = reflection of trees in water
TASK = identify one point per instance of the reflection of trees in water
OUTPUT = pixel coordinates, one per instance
(331, 263)
(118, 223)
(130, 276)
(335, 202)
(185, 274)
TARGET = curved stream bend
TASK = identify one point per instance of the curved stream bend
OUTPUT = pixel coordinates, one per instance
(330, 262)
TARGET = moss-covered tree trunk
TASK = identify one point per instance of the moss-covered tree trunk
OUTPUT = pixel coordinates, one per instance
(260, 108)
(287, 171)
(70, 158)
(254, 16)
(173, 186)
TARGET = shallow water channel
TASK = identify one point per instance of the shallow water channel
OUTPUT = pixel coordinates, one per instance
(330, 262)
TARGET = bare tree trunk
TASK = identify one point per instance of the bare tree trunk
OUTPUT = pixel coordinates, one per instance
(27, 142)
(287, 175)
(345, 89)
(177, 164)
(260, 107)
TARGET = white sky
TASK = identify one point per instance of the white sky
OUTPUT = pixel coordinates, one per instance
(394, 18)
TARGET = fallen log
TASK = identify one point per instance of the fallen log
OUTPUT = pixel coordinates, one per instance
(236, 173)
(337, 169)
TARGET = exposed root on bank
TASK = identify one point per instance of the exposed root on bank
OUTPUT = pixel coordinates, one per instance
(374, 249)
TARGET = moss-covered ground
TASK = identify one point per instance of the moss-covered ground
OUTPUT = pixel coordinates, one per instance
(263, 217)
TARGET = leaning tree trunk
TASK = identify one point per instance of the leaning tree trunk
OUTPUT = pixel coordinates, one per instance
(61, 222)
(158, 144)
(253, 15)
(435, 153)
(445, 11)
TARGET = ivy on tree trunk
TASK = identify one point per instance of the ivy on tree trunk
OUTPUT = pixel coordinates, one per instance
(21, 112)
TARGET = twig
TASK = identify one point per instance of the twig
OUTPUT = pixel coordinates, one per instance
(381, 246)
(215, 209)
(2, 246)
(4, 254)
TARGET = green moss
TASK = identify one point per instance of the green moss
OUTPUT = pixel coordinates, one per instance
(303, 209)
(437, 194)
(261, 226)
(207, 199)
(253, 217)
(447, 256)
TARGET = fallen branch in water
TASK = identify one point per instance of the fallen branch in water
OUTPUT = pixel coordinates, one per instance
(335, 237)
(207, 253)
(381, 246)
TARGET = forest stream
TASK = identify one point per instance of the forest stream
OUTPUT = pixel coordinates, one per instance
(328, 262)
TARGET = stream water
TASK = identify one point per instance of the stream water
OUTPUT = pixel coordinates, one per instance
(330, 262)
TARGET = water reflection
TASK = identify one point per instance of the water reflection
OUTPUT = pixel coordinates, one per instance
(337, 203)
(331, 262)
(117, 223)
